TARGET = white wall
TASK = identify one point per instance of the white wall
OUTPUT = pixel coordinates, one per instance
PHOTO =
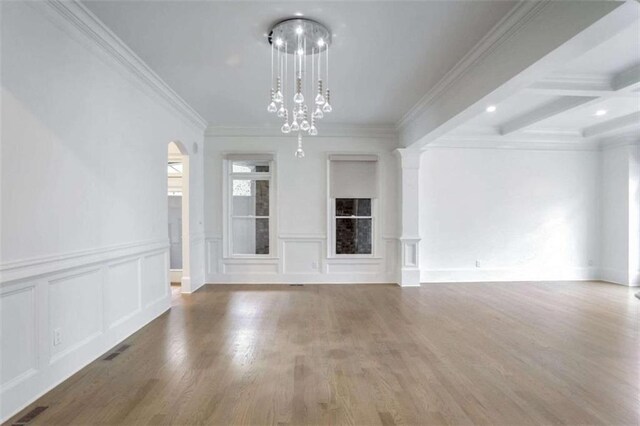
(524, 215)
(301, 209)
(84, 197)
(620, 260)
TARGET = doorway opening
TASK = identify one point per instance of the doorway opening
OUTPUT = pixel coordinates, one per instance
(178, 216)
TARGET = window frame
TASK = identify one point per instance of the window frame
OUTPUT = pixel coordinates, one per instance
(334, 229)
(229, 177)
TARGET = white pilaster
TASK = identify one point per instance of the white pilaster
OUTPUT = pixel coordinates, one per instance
(409, 217)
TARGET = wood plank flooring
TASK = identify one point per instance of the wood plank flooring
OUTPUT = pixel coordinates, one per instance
(464, 353)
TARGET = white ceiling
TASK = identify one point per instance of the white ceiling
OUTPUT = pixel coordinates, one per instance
(385, 56)
(561, 108)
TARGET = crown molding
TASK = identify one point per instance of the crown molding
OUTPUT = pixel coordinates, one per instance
(535, 139)
(97, 33)
(518, 145)
(629, 139)
(327, 131)
(506, 28)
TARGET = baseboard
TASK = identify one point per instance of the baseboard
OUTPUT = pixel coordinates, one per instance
(615, 276)
(508, 274)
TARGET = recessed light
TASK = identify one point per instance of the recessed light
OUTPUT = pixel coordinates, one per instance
(601, 112)
(491, 108)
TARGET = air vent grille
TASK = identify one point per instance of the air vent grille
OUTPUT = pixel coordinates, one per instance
(30, 416)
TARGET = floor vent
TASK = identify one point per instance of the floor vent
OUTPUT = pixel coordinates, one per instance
(30, 416)
(117, 352)
(123, 348)
(296, 285)
(111, 356)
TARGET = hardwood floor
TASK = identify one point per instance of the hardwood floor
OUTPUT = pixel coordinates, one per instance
(467, 353)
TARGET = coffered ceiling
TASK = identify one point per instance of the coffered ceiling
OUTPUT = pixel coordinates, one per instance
(591, 100)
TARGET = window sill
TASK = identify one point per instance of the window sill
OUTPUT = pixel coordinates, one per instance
(239, 259)
(350, 258)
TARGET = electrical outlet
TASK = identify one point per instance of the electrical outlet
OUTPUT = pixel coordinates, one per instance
(57, 337)
(478, 264)
(314, 265)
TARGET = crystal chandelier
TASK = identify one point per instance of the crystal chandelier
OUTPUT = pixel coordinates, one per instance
(299, 62)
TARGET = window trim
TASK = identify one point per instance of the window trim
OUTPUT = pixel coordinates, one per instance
(228, 178)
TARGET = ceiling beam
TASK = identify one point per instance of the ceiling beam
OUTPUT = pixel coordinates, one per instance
(627, 80)
(530, 42)
(614, 125)
(622, 84)
(543, 112)
(573, 85)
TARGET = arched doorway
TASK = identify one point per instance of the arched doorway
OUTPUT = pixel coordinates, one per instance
(178, 215)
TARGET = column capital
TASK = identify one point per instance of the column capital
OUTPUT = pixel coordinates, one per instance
(409, 158)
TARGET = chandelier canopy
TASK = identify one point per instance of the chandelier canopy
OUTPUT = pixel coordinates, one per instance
(300, 93)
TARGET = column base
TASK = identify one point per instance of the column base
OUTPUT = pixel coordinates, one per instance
(409, 277)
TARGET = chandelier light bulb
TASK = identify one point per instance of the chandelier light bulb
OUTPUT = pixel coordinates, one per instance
(317, 113)
(304, 125)
(295, 126)
(272, 107)
(313, 131)
(327, 106)
(286, 128)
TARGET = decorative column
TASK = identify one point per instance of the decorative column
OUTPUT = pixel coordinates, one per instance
(409, 217)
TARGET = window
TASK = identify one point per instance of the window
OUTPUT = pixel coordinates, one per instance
(352, 192)
(249, 206)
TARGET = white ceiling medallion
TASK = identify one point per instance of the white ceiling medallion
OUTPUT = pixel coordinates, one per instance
(300, 49)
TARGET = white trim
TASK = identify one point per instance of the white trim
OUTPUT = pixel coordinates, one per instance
(509, 274)
(328, 130)
(94, 30)
(20, 269)
(490, 143)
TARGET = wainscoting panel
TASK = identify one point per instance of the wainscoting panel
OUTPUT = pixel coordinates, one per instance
(355, 267)
(155, 278)
(301, 257)
(250, 268)
(122, 291)
(75, 310)
(19, 340)
(60, 313)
